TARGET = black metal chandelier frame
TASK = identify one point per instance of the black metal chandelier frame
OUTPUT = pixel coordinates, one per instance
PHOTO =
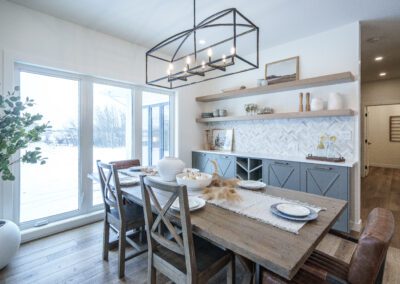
(212, 64)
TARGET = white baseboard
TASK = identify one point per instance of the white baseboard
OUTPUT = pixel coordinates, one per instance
(392, 166)
(61, 226)
(356, 226)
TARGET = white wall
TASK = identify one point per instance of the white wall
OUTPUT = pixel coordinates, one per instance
(31, 37)
(333, 51)
(382, 152)
(381, 92)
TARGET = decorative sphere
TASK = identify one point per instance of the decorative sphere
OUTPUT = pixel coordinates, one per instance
(10, 239)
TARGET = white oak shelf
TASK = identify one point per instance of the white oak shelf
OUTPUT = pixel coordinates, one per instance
(283, 115)
(325, 80)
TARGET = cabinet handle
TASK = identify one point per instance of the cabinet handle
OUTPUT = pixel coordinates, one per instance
(281, 163)
(324, 168)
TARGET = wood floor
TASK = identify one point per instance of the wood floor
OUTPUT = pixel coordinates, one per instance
(75, 257)
(381, 188)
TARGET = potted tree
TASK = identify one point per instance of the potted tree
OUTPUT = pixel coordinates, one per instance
(18, 129)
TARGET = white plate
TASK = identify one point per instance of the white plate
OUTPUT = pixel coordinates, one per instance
(129, 181)
(194, 203)
(251, 184)
(293, 209)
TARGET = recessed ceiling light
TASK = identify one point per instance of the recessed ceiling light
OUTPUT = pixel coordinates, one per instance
(202, 41)
(382, 74)
(378, 58)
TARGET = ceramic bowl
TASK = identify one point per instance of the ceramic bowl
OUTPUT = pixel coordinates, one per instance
(201, 182)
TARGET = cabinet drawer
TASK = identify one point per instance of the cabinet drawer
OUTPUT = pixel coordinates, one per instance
(330, 181)
(283, 174)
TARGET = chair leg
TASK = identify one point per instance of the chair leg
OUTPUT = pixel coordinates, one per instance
(151, 271)
(106, 240)
(121, 252)
(231, 275)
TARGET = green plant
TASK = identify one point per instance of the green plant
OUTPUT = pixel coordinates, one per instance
(18, 129)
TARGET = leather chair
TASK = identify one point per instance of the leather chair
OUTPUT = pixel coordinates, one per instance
(366, 265)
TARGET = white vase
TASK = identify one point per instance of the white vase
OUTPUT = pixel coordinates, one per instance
(335, 101)
(316, 104)
(10, 239)
(169, 167)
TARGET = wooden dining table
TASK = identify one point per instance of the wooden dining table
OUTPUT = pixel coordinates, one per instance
(256, 243)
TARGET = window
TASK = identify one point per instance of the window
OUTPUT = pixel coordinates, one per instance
(91, 119)
(52, 189)
(111, 127)
(155, 127)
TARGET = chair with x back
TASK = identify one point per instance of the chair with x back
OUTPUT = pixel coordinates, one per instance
(181, 256)
(119, 217)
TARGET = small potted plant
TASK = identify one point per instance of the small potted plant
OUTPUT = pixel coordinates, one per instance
(18, 129)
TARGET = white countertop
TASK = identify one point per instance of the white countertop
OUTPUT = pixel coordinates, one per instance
(300, 159)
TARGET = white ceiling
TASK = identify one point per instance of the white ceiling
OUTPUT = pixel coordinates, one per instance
(149, 22)
(388, 46)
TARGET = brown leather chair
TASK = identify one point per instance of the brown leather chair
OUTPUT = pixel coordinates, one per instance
(366, 265)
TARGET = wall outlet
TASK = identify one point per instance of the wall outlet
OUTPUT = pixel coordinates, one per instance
(346, 135)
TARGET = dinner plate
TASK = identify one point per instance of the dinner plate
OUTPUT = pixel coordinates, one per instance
(292, 209)
(312, 216)
(195, 203)
(251, 184)
(128, 181)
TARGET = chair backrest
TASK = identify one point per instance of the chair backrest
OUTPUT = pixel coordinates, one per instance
(124, 164)
(372, 247)
(159, 196)
(110, 188)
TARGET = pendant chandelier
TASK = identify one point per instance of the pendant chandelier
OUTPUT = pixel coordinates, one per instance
(223, 44)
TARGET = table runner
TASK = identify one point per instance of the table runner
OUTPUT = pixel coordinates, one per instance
(257, 205)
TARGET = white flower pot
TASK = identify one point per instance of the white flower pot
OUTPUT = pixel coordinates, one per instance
(169, 167)
(10, 239)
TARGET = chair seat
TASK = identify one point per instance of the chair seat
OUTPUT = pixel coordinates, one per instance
(206, 253)
(317, 264)
(133, 214)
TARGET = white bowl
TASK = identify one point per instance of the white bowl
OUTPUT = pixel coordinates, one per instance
(194, 184)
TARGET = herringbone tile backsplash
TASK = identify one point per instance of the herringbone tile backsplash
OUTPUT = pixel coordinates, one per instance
(291, 137)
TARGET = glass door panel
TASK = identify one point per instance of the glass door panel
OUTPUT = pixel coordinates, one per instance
(155, 127)
(53, 188)
(111, 127)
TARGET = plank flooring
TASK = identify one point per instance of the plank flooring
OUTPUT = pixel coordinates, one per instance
(381, 188)
(75, 257)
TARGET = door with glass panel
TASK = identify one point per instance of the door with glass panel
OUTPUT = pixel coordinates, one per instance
(112, 127)
(51, 189)
(156, 128)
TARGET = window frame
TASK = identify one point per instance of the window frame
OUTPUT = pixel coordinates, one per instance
(85, 147)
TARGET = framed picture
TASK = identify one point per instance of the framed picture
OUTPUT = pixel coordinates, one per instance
(222, 139)
(281, 71)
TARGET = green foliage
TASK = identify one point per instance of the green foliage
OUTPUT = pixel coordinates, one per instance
(18, 129)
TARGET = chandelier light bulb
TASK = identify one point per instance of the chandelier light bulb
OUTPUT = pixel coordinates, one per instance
(233, 50)
(223, 58)
(203, 64)
(188, 60)
(209, 52)
(168, 71)
(185, 69)
(171, 66)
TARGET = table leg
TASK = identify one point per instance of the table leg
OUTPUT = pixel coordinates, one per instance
(249, 268)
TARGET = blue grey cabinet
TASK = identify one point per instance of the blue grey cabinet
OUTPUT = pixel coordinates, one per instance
(328, 181)
(204, 162)
(282, 174)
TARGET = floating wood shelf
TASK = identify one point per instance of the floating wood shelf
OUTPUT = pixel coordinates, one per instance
(283, 115)
(326, 80)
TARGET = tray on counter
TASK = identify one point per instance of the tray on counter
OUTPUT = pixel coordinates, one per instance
(326, 159)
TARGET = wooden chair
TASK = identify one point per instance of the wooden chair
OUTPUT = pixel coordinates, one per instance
(367, 263)
(119, 217)
(183, 257)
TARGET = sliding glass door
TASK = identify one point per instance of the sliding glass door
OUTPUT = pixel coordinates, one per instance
(53, 188)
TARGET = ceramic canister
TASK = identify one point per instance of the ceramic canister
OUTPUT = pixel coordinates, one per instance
(169, 167)
(335, 101)
(317, 104)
